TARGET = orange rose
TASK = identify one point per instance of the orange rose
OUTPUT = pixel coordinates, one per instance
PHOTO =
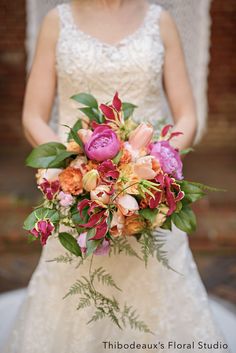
(134, 224)
(71, 181)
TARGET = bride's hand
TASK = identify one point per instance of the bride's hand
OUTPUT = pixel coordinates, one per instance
(41, 85)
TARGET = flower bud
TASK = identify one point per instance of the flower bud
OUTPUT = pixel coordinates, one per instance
(141, 136)
(90, 180)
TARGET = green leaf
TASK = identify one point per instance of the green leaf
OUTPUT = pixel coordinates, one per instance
(69, 242)
(192, 192)
(167, 225)
(202, 186)
(117, 158)
(91, 245)
(61, 158)
(185, 220)
(92, 113)
(77, 126)
(44, 155)
(40, 213)
(186, 151)
(75, 137)
(86, 99)
(128, 109)
(149, 214)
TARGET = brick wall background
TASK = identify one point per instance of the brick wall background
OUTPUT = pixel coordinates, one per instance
(213, 162)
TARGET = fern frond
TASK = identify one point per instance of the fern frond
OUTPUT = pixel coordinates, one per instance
(83, 303)
(67, 258)
(79, 287)
(121, 244)
(102, 276)
(129, 314)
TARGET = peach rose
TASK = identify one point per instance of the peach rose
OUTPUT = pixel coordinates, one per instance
(127, 205)
(134, 224)
(146, 167)
(101, 194)
(71, 181)
(117, 224)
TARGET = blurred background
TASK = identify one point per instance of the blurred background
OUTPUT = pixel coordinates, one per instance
(213, 162)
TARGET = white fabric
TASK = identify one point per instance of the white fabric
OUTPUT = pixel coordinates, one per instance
(193, 21)
(174, 306)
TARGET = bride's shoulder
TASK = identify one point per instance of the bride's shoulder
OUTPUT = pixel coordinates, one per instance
(50, 25)
(168, 27)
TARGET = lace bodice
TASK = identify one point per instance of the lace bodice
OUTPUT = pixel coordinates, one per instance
(133, 67)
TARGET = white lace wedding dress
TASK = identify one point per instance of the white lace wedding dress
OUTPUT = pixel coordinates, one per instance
(174, 306)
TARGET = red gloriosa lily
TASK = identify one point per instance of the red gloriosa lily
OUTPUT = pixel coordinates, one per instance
(98, 218)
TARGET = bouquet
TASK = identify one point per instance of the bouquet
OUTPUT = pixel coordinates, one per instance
(113, 179)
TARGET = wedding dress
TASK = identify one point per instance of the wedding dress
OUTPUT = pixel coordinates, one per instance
(175, 306)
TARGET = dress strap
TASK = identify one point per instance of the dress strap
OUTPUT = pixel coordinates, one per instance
(64, 13)
(154, 22)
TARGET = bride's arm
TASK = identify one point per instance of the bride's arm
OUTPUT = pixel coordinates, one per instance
(177, 84)
(41, 85)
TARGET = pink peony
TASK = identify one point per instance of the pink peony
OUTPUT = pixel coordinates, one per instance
(42, 229)
(168, 158)
(102, 145)
(103, 249)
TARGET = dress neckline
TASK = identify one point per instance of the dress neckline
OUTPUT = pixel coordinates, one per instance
(119, 43)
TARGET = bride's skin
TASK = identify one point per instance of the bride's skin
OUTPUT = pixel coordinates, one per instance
(97, 17)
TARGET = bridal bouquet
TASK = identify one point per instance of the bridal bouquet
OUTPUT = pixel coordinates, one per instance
(113, 179)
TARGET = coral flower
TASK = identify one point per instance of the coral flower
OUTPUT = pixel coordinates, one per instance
(71, 181)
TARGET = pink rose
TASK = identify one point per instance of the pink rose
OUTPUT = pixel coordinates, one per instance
(102, 145)
(168, 158)
(66, 200)
(146, 168)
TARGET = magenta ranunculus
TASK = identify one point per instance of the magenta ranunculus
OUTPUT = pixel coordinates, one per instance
(42, 229)
(168, 158)
(102, 145)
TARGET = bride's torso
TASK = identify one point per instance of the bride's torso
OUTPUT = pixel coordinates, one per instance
(133, 67)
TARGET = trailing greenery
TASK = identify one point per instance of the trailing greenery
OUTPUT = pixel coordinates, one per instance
(104, 306)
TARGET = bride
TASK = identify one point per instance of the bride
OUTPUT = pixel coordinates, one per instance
(103, 46)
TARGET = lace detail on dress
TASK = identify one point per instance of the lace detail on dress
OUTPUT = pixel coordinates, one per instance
(133, 67)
